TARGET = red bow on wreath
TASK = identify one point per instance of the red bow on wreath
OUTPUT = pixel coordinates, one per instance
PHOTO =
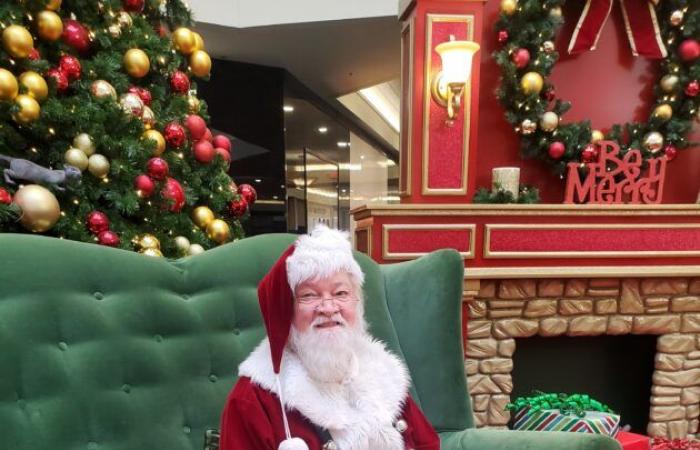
(640, 22)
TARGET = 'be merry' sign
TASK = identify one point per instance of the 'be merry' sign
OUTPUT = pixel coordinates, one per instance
(617, 180)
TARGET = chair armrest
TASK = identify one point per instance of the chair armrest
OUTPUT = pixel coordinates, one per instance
(485, 439)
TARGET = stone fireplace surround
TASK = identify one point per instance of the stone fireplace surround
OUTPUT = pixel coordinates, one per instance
(501, 310)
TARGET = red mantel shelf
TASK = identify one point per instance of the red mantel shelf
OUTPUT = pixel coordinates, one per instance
(515, 241)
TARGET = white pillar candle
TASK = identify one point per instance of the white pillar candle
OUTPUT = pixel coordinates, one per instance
(508, 178)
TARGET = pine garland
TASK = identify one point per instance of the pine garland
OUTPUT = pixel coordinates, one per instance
(526, 195)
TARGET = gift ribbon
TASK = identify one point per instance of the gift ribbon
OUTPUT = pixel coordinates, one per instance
(641, 25)
(577, 404)
(661, 443)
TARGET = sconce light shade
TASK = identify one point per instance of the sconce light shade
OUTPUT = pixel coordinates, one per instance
(457, 60)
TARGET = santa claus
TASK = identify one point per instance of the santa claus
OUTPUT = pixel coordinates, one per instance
(318, 380)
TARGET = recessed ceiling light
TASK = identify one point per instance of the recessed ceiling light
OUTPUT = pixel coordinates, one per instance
(323, 130)
(288, 108)
(342, 144)
(343, 191)
(258, 180)
(362, 156)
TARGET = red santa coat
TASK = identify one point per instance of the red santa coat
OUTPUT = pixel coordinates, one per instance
(360, 415)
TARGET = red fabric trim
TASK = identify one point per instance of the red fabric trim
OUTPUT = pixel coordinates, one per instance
(642, 23)
(594, 16)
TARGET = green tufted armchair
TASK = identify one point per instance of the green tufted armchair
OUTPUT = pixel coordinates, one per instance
(102, 349)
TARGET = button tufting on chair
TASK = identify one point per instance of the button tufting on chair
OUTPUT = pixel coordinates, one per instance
(126, 388)
(63, 346)
(98, 295)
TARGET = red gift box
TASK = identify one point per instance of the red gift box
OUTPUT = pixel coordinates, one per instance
(632, 441)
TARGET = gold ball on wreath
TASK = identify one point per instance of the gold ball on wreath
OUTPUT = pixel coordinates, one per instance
(98, 165)
(596, 136)
(198, 41)
(653, 141)
(76, 158)
(508, 7)
(148, 241)
(555, 12)
(17, 41)
(549, 121)
(124, 19)
(136, 63)
(102, 89)
(49, 26)
(663, 112)
(148, 117)
(40, 208)
(9, 88)
(182, 244)
(29, 109)
(158, 138)
(195, 249)
(84, 142)
(193, 104)
(184, 40)
(531, 83)
(115, 31)
(218, 231)
(35, 85)
(669, 83)
(528, 126)
(202, 216)
(152, 252)
(200, 63)
(53, 5)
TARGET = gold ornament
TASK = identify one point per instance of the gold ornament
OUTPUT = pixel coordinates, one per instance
(136, 63)
(53, 5)
(148, 117)
(35, 85)
(152, 252)
(158, 138)
(98, 165)
(508, 7)
(148, 241)
(9, 88)
(76, 158)
(669, 83)
(198, 41)
(17, 41)
(200, 63)
(202, 216)
(596, 136)
(49, 26)
(102, 89)
(663, 112)
(193, 104)
(184, 41)
(531, 83)
(29, 109)
(195, 249)
(676, 18)
(555, 12)
(528, 126)
(124, 19)
(182, 244)
(40, 208)
(131, 104)
(653, 141)
(218, 231)
(84, 142)
(548, 46)
(115, 31)
(549, 121)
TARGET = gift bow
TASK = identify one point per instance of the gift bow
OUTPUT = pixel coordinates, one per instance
(640, 23)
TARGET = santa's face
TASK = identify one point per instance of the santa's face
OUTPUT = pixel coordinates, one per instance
(325, 305)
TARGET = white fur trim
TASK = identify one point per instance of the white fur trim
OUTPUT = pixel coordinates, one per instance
(321, 254)
(360, 414)
(293, 444)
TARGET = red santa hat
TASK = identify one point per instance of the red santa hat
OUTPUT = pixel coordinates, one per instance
(319, 254)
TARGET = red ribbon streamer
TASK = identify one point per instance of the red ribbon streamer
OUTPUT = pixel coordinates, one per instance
(640, 23)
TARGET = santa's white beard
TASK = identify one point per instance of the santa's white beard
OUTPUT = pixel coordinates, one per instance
(329, 355)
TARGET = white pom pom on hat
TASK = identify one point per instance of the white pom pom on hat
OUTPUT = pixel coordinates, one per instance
(293, 444)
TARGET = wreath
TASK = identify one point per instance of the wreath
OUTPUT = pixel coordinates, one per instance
(527, 28)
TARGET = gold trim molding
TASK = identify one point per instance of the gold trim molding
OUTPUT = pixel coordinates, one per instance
(387, 255)
(484, 273)
(407, 128)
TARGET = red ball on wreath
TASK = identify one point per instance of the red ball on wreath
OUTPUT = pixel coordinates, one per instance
(174, 134)
(556, 150)
(589, 153)
(221, 141)
(689, 50)
(158, 168)
(76, 35)
(5, 197)
(108, 238)
(502, 36)
(521, 58)
(208, 136)
(97, 222)
(692, 89)
(671, 152)
(238, 207)
(225, 154)
(248, 193)
(204, 152)
(70, 65)
(179, 82)
(196, 126)
(133, 5)
(34, 55)
(60, 78)
(173, 192)
(144, 186)
(143, 93)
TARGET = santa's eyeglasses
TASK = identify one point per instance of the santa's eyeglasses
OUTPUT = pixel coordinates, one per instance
(315, 300)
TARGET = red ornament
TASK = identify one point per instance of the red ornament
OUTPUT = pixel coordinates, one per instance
(208, 136)
(108, 238)
(174, 134)
(144, 94)
(556, 150)
(34, 54)
(161, 29)
(692, 89)
(133, 5)
(179, 82)
(689, 50)
(204, 152)
(248, 193)
(70, 65)
(671, 152)
(196, 126)
(97, 222)
(521, 58)
(144, 185)
(5, 197)
(158, 168)
(173, 191)
(224, 154)
(589, 153)
(238, 207)
(59, 78)
(502, 36)
(76, 36)
(221, 141)
(550, 94)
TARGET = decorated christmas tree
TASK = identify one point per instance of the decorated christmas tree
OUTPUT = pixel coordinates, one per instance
(102, 136)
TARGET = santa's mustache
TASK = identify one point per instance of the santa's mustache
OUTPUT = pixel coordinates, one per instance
(336, 319)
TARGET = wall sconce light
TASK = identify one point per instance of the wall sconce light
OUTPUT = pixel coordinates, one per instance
(448, 85)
